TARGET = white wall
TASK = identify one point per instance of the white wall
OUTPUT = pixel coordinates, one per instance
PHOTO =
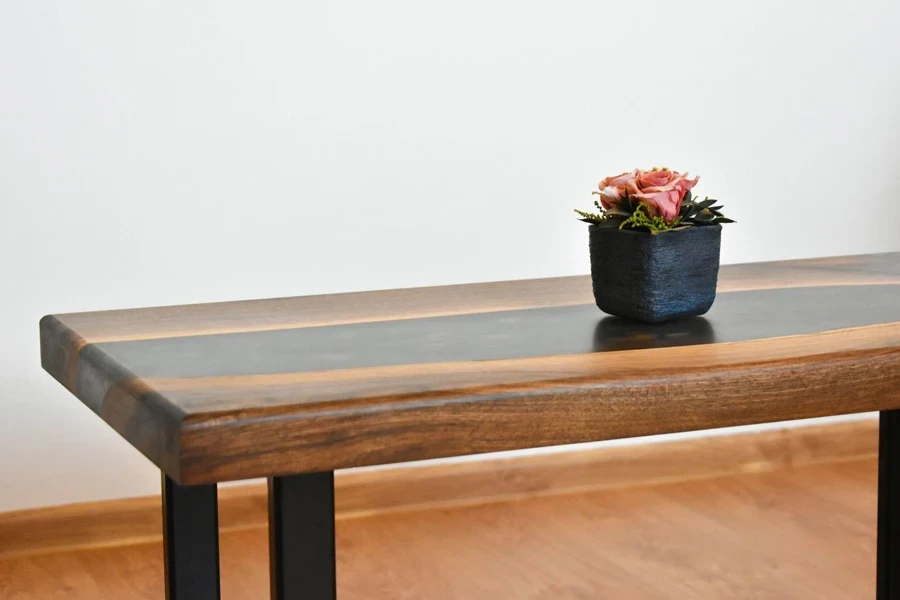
(199, 151)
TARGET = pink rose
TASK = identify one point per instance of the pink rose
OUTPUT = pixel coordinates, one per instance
(613, 189)
(663, 190)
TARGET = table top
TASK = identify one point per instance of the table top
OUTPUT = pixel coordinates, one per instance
(235, 390)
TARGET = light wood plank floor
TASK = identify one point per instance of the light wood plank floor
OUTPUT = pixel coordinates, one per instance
(794, 533)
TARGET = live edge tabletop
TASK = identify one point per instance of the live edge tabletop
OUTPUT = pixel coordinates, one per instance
(236, 390)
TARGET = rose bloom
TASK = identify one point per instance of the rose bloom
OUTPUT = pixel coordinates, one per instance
(613, 189)
(663, 190)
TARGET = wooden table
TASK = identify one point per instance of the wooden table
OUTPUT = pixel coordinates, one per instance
(294, 388)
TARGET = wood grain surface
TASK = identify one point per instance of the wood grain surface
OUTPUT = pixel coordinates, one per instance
(440, 484)
(795, 534)
(269, 387)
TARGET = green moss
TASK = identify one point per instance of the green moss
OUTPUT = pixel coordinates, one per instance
(643, 218)
(591, 217)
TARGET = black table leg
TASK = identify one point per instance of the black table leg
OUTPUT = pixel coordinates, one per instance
(888, 579)
(301, 537)
(190, 541)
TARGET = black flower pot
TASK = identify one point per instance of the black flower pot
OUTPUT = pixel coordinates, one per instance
(655, 278)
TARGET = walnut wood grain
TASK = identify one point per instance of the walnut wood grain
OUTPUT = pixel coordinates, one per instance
(386, 305)
(439, 484)
(270, 387)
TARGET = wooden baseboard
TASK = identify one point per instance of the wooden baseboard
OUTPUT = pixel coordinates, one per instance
(424, 485)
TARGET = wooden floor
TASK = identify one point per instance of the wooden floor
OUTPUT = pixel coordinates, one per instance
(794, 533)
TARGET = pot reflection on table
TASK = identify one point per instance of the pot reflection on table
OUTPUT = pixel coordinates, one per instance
(614, 333)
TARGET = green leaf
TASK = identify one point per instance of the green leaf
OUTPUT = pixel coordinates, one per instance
(723, 220)
(589, 217)
(618, 212)
(688, 210)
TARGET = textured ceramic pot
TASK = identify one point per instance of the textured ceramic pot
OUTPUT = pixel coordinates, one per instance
(655, 278)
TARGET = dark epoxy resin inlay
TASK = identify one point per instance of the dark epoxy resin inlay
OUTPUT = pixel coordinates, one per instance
(736, 316)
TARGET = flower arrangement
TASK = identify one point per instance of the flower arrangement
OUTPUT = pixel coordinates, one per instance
(655, 201)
